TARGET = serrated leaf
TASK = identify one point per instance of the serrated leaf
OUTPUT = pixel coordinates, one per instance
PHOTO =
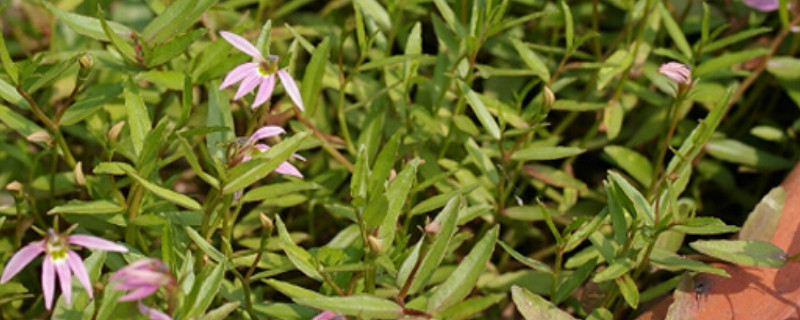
(86, 25)
(87, 207)
(138, 118)
(705, 226)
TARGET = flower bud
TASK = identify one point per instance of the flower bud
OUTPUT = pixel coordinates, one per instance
(266, 222)
(433, 227)
(676, 71)
(14, 186)
(375, 244)
(113, 134)
(40, 136)
(80, 179)
(549, 96)
(86, 62)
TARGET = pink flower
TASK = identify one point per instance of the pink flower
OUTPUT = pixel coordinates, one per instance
(151, 313)
(261, 72)
(252, 147)
(762, 5)
(143, 278)
(59, 260)
(676, 71)
(329, 315)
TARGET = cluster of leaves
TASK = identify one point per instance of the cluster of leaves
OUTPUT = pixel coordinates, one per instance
(463, 156)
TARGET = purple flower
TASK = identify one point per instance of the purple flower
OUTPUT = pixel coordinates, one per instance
(762, 5)
(329, 315)
(61, 260)
(143, 278)
(261, 72)
(676, 71)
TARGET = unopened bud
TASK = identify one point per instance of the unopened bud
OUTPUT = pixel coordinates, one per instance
(433, 227)
(86, 62)
(14, 186)
(375, 244)
(113, 134)
(549, 96)
(266, 222)
(39, 136)
(80, 179)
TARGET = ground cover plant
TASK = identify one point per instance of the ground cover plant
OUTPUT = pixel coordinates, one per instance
(386, 159)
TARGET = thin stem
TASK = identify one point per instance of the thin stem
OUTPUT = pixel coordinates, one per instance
(325, 143)
(51, 126)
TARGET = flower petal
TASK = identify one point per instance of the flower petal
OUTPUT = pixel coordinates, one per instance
(64, 279)
(264, 91)
(248, 84)
(48, 282)
(265, 132)
(328, 315)
(93, 242)
(291, 87)
(288, 169)
(239, 73)
(242, 44)
(153, 314)
(763, 5)
(21, 259)
(75, 263)
(140, 293)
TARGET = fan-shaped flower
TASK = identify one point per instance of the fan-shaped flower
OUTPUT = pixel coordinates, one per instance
(59, 259)
(676, 71)
(143, 278)
(261, 73)
(763, 5)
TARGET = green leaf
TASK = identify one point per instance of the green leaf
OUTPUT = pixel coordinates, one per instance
(534, 307)
(219, 115)
(763, 220)
(292, 291)
(90, 101)
(203, 292)
(384, 163)
(299, 256)
(734, 38)
(670, 261)
(640, 203)
(574, 281)
(635, 164)
(615, 269)
(375, 11)
(618, 62)
(726, 61)
(612, 119)
(482, 160)
(675, 31)
(532, 60)
(312, 78)
(245, 174)
(5, 59)
(705, 226)
(569, 28)
(204, 246)
(436, 250)
(397, 193)
(358, 183)
(10, 94)
(119, 42)
(540, 153)
(87, 207)
(738, 152)
(175, 19)
(480, 110)
(572, 105)
(17, 122)
(138, 118)
(285, 311)
(356, 305)
(746, 252)
(459, 284)
(531, 263)
(86, 25)
(470, 308)
(786, 70)
(162, 192)
(191, 158)
(165, 52)
(222, 312)
(628, 289)
(277, 190)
